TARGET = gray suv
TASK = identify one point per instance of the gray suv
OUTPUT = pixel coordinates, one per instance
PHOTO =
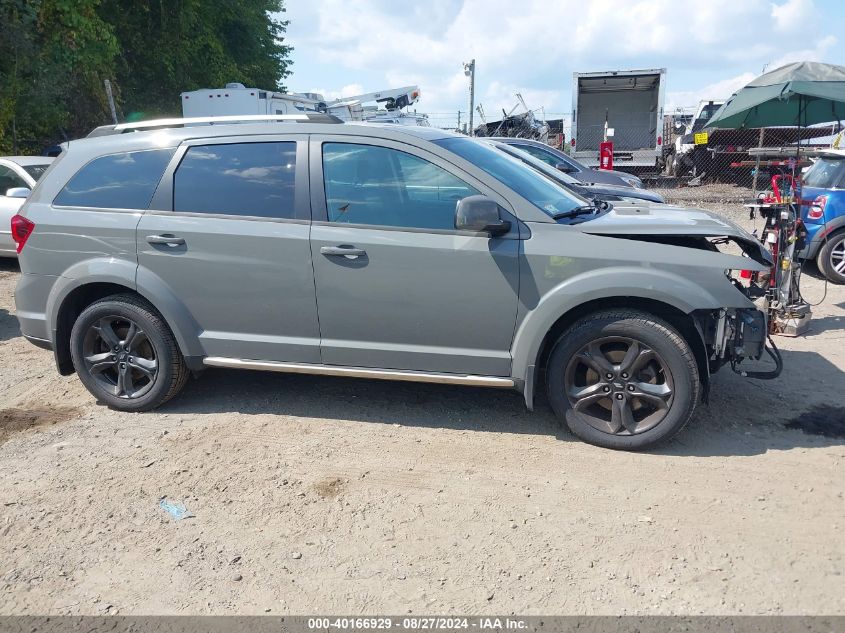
(387, 252)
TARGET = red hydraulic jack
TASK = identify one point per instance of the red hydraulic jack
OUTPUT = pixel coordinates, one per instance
(784, 235)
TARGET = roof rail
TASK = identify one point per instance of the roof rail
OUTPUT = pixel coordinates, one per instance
(122, 128)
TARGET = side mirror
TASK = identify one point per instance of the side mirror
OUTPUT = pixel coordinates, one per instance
(564, 167)
(480, 214)
(18, 192)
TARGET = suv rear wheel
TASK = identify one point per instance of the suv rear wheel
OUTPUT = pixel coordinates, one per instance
(831, 258)
(125, 354)
(623, 379)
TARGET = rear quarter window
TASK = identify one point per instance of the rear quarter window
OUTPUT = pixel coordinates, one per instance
(117, 181)
(826, 173)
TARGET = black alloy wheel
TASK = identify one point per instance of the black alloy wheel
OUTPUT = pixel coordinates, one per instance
(118, 354)
(618, 385)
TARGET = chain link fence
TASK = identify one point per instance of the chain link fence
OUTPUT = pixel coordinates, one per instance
(715, 169)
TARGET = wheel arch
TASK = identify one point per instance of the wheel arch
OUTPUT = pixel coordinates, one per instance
(684, 322)
(833, 229)
(69, 298)
(71, 305)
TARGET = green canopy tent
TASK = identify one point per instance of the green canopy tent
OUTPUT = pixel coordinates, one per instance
(798, 94)
(801, 93)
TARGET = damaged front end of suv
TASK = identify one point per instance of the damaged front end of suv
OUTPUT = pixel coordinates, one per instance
(736, 333)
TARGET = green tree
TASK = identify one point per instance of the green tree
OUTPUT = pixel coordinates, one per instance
(55, 54)
(168, 46)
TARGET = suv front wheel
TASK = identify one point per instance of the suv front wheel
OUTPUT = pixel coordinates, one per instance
(623, 379)
(125, 354)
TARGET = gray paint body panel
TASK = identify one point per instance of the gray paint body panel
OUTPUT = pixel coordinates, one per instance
(423, 301)
(248, 284)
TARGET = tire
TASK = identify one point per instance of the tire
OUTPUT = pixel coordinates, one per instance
(831, 258)
(127, 369)
(619, 409)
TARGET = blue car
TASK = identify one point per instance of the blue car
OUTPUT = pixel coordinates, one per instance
(823, 211)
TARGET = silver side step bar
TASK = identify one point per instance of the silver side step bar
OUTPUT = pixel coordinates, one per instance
(360, 372)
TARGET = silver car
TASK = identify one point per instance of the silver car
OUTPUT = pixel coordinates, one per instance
(388, 252)
(18, 175)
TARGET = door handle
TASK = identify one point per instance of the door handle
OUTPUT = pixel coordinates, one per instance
(168, 240)
(342, 251)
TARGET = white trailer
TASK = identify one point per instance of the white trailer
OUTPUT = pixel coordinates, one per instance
(627, 102)
(237, 99)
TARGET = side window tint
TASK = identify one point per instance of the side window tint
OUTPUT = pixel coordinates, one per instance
(248, 179)
(366, 184)
(117, 181)
(536, 152)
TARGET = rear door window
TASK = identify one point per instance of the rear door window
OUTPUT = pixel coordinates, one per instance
(244, 179)
(116, 181)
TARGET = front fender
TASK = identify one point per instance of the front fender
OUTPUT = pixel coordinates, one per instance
(667, 287)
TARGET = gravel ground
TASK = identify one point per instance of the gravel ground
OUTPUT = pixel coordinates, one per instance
(723, 198)
(324, 495)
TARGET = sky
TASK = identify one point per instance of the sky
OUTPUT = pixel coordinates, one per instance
(710, 49)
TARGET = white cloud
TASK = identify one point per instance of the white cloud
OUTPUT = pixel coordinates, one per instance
(816, 54)
(533, 46)
(794, 15)
(718, 91)
(500, 96)
(349, 90)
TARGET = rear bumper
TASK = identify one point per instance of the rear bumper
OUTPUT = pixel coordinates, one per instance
(621, 158)
(31, 297)
(39, 342)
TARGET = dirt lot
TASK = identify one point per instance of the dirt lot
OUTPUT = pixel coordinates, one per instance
(338, 495)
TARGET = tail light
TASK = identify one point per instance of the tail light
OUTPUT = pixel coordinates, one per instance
(816, 211)
(660, 140)
(745, 274)
(22, 228)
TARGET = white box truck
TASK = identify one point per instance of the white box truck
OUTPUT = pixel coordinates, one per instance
(629, 103)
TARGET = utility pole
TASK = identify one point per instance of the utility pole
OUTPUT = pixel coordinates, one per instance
(110, 98)
(469, 71)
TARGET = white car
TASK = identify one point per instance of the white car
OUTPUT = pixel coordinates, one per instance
(18, 175)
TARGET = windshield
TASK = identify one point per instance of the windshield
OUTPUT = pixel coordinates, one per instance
(826, 173)
(705, 115)
(539, 165)
(36, 171)
(550, 197)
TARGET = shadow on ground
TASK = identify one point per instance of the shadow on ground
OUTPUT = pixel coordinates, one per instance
(9, 265)
(743, 417)
(9, 327)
